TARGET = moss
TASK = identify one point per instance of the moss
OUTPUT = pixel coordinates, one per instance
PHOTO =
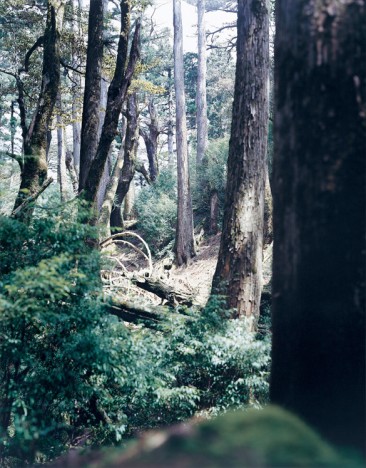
(256, 438)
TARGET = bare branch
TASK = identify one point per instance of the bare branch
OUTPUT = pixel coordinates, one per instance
(32, 198)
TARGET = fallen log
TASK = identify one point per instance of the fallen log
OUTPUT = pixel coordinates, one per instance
(174, 296)
(150, 316)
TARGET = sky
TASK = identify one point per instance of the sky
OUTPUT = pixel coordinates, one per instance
(162, 13)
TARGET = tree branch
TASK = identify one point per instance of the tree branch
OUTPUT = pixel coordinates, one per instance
(32, 198)
(38, 43)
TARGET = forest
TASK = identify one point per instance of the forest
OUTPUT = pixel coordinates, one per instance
(182, 233)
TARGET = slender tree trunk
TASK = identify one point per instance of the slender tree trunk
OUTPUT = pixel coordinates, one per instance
(93, 75)
(214, 212)
(129, 202)
(184, 241)
(201, 104)
(170, 122)
(104, 182)
(61, 151)
(318, 368)
(106, 208)
(129, 160)
(116, 96)
(268, 212)
(34, 171)
(151, 141)
(238, 275)
(76, 89)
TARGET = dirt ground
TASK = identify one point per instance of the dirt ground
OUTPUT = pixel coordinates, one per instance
(195, 277)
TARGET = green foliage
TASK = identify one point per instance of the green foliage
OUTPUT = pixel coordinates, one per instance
(71, 371)
(211, 177)
(156, 209)
(58, 352)
(206, 365)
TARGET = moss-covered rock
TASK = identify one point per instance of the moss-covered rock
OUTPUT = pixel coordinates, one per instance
(256, 438)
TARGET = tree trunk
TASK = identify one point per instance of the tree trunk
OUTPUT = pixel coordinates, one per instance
(92, 93)
(106, 208)
(76, 90)
(34, 171)
(129, 160)
(116, 96)
(214, 212)
(129, 202)
(151, 141)
(238, 275)
(61, 151)
(318, 368)
(201, 104)
(170, 123)
(268, 212)
(184, 241)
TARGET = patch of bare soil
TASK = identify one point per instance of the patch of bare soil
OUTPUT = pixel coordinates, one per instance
(130, 257)
(199, 273)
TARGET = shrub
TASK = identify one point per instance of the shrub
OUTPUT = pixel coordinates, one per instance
(156, 209)
(211, 177)
(60, 355)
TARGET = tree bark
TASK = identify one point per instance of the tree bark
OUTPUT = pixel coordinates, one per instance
(151, 141)
(116, 96)
(106, 208)
(238, 275)
(184, 241)
(129, 161)
(201, 102)
(318, 367)
(76, 90)
(214, 212)
(61, 151)
(92, 93)
(34, 171)
(170, 122)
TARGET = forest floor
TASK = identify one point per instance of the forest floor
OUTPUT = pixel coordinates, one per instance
(196, 277)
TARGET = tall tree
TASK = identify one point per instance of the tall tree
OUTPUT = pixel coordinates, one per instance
(238, 275)
(129, 161)
(92, 93)
(201, 100)
(34, 166)
(125, 66)
(318, 368)
(184, 242)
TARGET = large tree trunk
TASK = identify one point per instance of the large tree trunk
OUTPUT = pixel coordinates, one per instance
(238, 275)
(116, 96)
(184, 242)
(318, 368)
(92, 93)
(129, 161)
(34, 168)
(201, 104)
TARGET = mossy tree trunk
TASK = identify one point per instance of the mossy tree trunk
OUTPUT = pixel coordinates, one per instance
(151, 137)
(34, 166)
(92, 93)
(129, 161)
(238, 275)
(117, 93)
(318, 368)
